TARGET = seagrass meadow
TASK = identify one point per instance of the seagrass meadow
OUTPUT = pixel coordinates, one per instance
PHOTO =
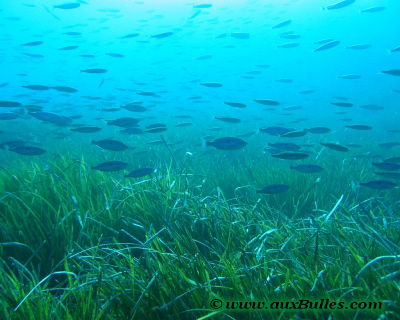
(188, 160)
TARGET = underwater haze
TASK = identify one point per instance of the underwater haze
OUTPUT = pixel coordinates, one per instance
(175, 160)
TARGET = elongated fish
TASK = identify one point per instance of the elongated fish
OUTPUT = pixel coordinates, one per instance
(28, 151)
(379, 184)
(274, 189)
(141, 172)
(110, 166)
(227, 143)
(307, 168)
(340, 5)
(327, 46)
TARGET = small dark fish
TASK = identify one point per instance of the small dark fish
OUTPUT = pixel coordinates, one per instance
(359, 46)
(130, 131)
(327, 46)
(275, 131)
(307, 168)
(263, 66)
(350, 77)
(289, 45)
(246, 135)
(28, 151)
(306, 91)
(228, 119)
(294, 134)
(227, 143)
(72, 33)
(112, 145)
(274, 189)
(282, 24)
(141, 172)
(130, 35)
(267, 102)
(285, 146)
(163, 35)
(11, 144)
(184, 124)
(32, 44)
(291, 108)
(340, 5)
(10, 104)
(68, 48)
(359, 127)
(284, 80)
(156, 125)
(111, 166)
(394, 159)
(211, 84)
(147, 94)
(110, 109)
(373, 9)
(272, 150)
(392, 72)
(379, 184)
(86, 55)
(115, 55)
(134, 108)
(8, 116)
(124, 122)
(390, 175)
(155, 130)
(291, 156)
(215, 129)
(221, 36)
(290, 36)
(395, 49)
(235, 104)
(33, 55)
(388, 145)
(2, 85)
(340, 98)
(96, 70)
(387, 166)
(206, 57)
(64, 89)
(342, 104)
(86, 129)
(372, 107)
(156, 143)
(240, 35)
(67, 6)
(334, 146)
(36, 87)
(324, 41)
(202, 6)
